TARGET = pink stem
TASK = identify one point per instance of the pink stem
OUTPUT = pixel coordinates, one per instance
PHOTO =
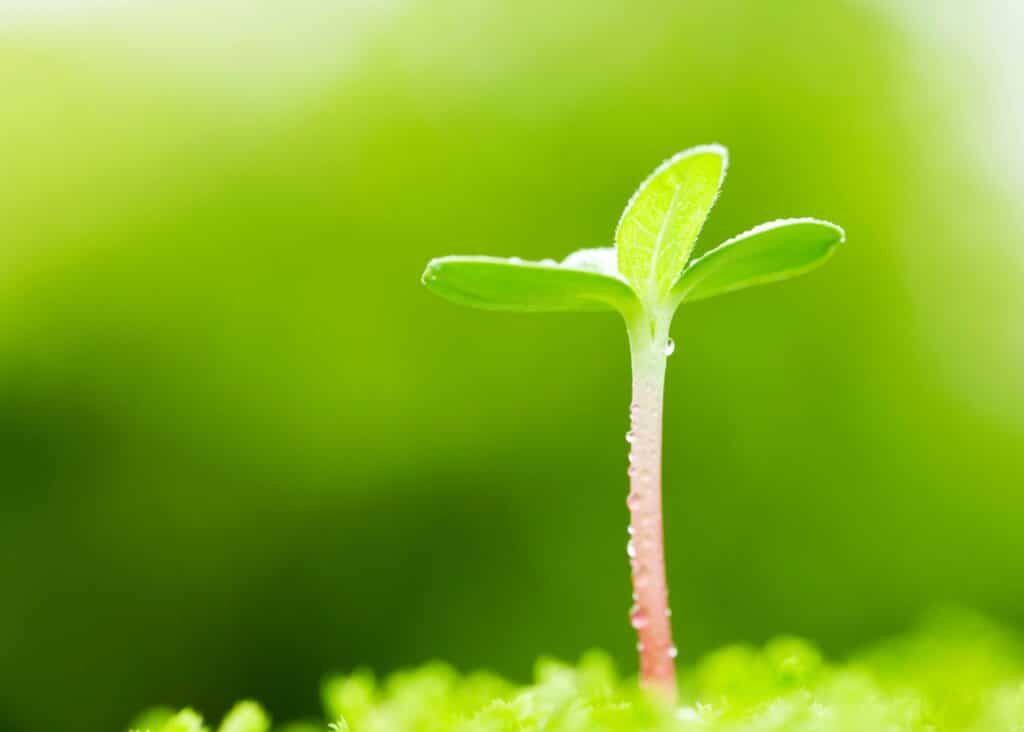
(650, 614)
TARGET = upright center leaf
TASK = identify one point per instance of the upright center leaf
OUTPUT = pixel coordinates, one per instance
(659, 227)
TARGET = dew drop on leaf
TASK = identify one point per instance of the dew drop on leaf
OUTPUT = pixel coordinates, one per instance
(670, 347)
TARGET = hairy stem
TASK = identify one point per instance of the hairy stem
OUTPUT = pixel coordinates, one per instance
(650, 614)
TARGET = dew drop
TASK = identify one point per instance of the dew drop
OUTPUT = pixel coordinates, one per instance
(630, 437)
(638, 620)
(670, 347)
(673, 652)
(631, 549)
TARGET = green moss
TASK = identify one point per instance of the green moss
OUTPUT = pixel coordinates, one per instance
(957, 672)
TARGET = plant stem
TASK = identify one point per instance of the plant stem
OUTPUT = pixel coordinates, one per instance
(650, 614)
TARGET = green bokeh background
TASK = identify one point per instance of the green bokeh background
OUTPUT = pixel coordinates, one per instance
(241, 446)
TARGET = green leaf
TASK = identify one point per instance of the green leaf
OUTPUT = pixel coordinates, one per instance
(152, 719)
(184, 721)
(586, 280)
(659, 227)
(767, 253)
(246, 716)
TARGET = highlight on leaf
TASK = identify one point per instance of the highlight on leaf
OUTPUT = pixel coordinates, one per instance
(773, 251)
(246, 716)
(581, 283)
(659, 228)
(186, 720)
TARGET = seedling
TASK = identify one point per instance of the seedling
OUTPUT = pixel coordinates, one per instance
(646, 276)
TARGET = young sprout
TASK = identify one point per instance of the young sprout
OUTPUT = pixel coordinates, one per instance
(646, 276)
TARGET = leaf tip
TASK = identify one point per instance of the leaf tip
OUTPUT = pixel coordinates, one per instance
(837, 230)
(840, 231)
(430, 272)
(711, 148)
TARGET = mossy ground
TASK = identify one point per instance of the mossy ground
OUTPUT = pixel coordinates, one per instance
(956, 672)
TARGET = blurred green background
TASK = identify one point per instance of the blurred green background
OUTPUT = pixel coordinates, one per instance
(241, 446)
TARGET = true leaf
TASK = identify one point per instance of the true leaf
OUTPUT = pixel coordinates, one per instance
(767, 253)
(659, 227)
(582, 282)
